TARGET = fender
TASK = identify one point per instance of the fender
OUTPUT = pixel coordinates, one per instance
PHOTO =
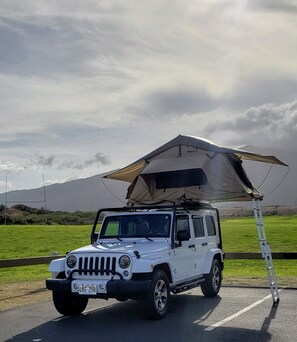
(143, 265)
(57, 266)
(208, 258)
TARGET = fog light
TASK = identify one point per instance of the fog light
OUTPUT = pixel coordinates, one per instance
(101, 287)
(125, 273)
(75, 286)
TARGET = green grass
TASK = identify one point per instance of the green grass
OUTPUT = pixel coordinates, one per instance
(19, 241)
(239, 235)
(239, 268)
(25, 273)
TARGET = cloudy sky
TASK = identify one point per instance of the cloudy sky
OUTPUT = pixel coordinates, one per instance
(89, 86)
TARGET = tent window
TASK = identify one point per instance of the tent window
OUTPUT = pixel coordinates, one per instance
(180, 179)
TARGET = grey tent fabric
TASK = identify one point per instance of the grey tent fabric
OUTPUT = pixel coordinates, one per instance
(190, 168)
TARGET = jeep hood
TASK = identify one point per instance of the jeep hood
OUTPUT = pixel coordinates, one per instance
(125, 247)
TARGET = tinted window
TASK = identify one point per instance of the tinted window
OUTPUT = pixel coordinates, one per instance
(211, 229)
(182, 223)
(198, 227)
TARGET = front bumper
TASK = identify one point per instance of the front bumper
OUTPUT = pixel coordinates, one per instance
(114, 288)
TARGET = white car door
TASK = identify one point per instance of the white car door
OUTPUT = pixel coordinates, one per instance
(201, 243)
(182, 256)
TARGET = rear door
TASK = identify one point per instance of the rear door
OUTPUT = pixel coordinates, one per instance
(201, 242)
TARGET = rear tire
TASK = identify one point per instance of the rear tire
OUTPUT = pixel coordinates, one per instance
(212, 284)
(69, 305)
(156, 303)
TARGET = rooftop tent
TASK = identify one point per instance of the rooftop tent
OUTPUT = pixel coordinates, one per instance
(188, 167)
(191, 168)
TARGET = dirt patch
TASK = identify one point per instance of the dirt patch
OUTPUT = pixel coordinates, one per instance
(13, 295)
(285, 282)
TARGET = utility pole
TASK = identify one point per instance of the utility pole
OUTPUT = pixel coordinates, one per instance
(44, 194)
(5, 209)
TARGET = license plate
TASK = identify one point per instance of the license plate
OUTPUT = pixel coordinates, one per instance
(88, 289)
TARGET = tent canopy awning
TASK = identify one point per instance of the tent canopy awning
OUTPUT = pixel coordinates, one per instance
(216, 172)
(128, 173)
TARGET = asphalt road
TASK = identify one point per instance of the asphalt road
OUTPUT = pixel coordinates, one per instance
(238, 314)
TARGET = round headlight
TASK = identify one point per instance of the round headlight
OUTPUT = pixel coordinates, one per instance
(124, 261)
(71, 261)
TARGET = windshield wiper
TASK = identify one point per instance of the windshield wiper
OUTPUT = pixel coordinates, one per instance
(146, 237)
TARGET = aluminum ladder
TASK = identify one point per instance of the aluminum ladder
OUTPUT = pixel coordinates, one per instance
(265, 249)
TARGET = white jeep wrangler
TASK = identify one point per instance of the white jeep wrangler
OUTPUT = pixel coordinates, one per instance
(142, 253)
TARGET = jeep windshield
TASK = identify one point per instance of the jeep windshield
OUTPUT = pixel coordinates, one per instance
(136, 226)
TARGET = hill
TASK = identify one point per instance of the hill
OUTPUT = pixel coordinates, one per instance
(87, 194)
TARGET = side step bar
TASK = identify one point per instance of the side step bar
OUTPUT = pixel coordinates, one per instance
(187, 285)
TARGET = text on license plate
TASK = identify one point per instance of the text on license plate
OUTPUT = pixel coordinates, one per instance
(88, 289)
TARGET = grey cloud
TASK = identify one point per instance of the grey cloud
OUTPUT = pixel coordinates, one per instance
(51, 44)
(255, 91)
(268, 125)
(286, 6)
(45, 161)
(38, 160)
(179, 101)
(98, 159)
(62, 134)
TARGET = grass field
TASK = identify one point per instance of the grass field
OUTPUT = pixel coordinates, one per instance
(29, 241)
(239, 235)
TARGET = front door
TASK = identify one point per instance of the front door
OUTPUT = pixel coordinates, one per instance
(183, 255)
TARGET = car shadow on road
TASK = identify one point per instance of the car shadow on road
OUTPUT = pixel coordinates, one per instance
(185, 321)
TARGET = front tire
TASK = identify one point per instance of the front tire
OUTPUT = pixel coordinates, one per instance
(212, 284)
(157, 300)
(69, 305)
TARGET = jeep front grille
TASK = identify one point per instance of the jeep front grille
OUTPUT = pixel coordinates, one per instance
(96, 265)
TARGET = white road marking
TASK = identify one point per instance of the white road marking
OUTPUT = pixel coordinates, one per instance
(98, 309)
(237, 314)
(60, 318)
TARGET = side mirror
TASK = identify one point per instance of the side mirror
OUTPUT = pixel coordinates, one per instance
(183, 235)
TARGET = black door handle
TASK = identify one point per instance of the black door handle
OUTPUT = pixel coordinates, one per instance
(204, 244)
(192, 246)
